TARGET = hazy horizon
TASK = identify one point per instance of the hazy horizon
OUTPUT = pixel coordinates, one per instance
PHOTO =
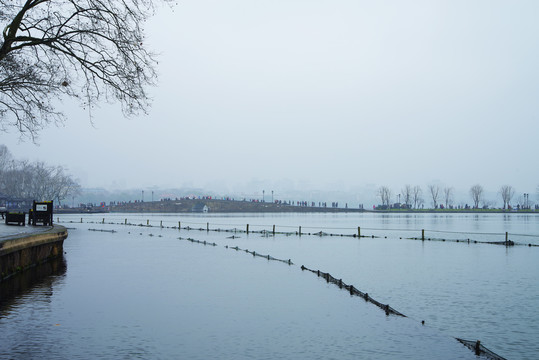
(320, 96)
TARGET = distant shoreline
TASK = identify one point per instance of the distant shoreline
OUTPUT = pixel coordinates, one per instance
(182, 206)
(244, 206)
(455, 211)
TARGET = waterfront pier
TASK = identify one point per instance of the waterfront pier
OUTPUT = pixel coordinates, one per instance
(28, 246)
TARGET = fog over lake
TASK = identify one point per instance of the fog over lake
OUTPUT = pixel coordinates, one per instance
(319, 95)
(306, 103)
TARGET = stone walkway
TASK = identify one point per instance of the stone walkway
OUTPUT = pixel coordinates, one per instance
(10, 230)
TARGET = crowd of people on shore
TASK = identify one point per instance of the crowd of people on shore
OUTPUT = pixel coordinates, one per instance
(299, 203)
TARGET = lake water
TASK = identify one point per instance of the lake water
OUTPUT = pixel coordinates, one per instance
(141, 292)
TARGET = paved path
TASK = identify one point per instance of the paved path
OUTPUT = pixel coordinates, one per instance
(10, 230)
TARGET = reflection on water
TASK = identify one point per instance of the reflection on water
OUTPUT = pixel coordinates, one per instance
(141, 292)
(43, 276)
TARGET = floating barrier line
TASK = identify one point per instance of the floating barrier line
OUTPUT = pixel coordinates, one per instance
(334, 228)
(469, 241)
(357, 234)
(330, 279)
(475, 346)
(102, 230)
(198, 241)
(268, 257)
(353, 291)
(388, 229)
(480, 350)
(465, 232)
(527, 235)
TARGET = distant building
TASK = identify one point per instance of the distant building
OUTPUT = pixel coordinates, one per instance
(200, 208)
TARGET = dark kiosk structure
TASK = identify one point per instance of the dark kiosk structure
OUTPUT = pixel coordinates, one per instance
(15, 217)
(41, 213)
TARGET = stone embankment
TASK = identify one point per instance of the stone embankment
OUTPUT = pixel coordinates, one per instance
(23, 250)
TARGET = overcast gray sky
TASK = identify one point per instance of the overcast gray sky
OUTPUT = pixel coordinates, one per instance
(321, 94)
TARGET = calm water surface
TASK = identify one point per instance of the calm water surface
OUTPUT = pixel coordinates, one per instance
(143, 293)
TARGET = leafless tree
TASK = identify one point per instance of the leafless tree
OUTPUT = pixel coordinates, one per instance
(5, 158)
(507, 192)
(37, 181)
(89, 50)
(448, 196)
(476, 193)
(417, 196)
(385, 195)
(407, 195)
(434, 191)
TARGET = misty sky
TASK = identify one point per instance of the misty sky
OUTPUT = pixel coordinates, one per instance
(323, 95)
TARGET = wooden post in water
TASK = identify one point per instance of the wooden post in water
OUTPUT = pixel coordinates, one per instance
(423, 234)
(161, 224)
(81, 220)
(478, 348)
(273, 229)
(358, 232)
(506, 237)
(148, 222)
(125, 221)
(179, 225)
(103, 221)
(300, 231)
(207, 226)
(247, 229)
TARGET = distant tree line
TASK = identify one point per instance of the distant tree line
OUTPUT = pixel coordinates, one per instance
(34, 180)
(411, 197)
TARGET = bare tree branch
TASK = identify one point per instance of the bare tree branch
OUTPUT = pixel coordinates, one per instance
(385, 195)
(448, 196)
(407, 193)
(91, 50)
(507, 192)
(434, 193)
(476, 193)
(417, 196)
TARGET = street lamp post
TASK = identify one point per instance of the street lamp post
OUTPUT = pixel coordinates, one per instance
(142, 195)
(263, 193)
(271, 195)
